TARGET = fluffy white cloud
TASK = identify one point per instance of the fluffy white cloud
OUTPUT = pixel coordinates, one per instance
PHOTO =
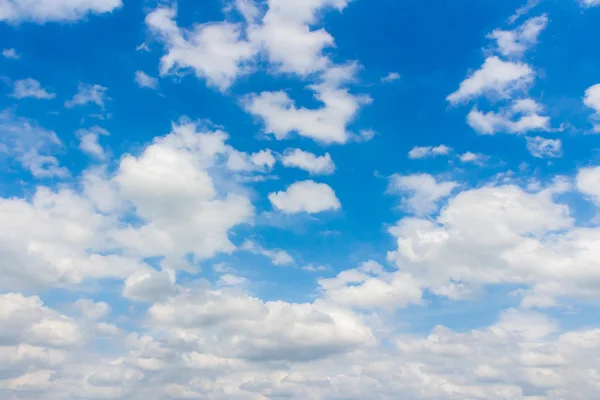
(315, 165)
(327, 124)
(421, 192)
(391, 77)
(150, 285)
(88, 141)
(261, 161)
(498, 235)
(590, 3)
(592, 100)
(540, 147)
(87, 94)
(305, 196)
(516, 42)
(30, 88)
(92, 310)
(588, 182)
(278, 257)
(470, 157)
(31, 145)
(216, 51)
(144, 80)
(285, 35)
(520, 117)
(41, 11)
(495, 77)
(11, 54)
(428, 151)
(369, 287)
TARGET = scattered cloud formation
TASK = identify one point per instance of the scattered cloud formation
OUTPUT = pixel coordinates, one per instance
(278, 257)
(88, 141)
(520, 117)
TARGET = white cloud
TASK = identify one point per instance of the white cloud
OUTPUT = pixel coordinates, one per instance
(261, 161)
(501, 235)
(530, 5)
(31, 145)
(369, 286)
(495, 77)
(520, 117)
(88, 141)
(92, 310)
(278, 257)
(516, 42)
(391, 77)
(327, 124)
(590, 3)
(11, 54)
(150, 285)
(421, 192)
(287, 39)
(592, 100)
(321, 165)
(588, 182)
(540, 147)
(30, 88)
(215, 51)
(428, 151)
(42, 11)
(87, 94)
(470, 157)
(144, 80)
(305, 196)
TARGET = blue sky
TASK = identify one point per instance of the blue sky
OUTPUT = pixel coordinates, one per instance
(299, 199)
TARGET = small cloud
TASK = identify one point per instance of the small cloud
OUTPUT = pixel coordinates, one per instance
(470, 157)
(144, 80)
(30, 88)
(88, 94)
(429, 151)
(11, 54)
(391, 77)
(540, 147)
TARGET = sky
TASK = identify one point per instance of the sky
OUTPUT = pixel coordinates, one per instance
(299, 199)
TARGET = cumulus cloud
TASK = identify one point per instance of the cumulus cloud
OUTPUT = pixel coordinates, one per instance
(470, 157)
(88, 141)
(305, 196)
(588, 182)
(428, 151)
(517, 41)
(11, 54)
(215, 51)
(42, 11)
(87, 94)
(420, 192)
(144, 80)
(495, 77)
(592, 100)
(391, 77)
(30, 88)
(520, 117)
(315, 165)
(327, 124)
(31, 145)
(540, 147)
